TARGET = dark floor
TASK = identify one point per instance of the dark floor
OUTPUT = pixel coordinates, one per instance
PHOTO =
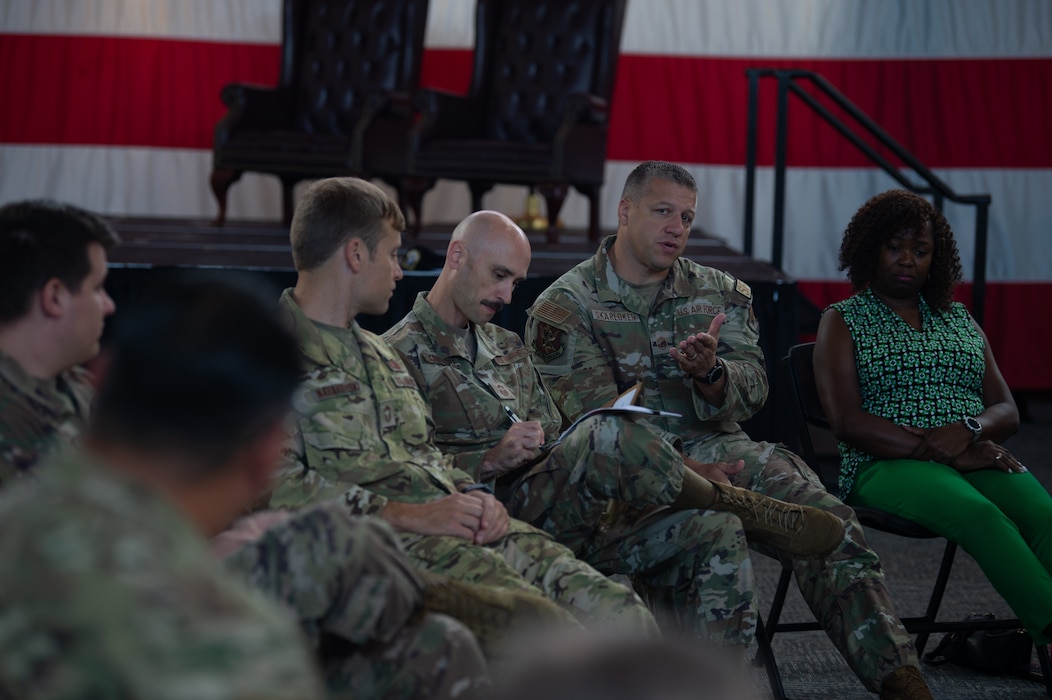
(812, 668)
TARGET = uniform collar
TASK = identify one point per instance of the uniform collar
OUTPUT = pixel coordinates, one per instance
(69, 390)
(320, 343)
(445, 341)
(611, 288)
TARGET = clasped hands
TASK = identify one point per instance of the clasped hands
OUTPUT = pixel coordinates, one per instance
(697, 354)
(952, 444)
(475, 516)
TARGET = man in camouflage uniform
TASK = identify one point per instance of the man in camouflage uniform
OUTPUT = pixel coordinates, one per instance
(364, 432)
(612, 490)
(110, 589)
(639, 312)
(52, 309)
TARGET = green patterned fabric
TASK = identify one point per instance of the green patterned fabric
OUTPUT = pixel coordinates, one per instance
(924, 378)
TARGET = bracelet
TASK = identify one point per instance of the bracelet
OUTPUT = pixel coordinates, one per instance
(477, 487)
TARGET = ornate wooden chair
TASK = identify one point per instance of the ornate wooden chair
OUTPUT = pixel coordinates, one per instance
(348, 70)
(536, 112)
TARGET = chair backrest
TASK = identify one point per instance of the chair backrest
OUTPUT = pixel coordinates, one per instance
(335, 53)
(809, 413)
(531, 54)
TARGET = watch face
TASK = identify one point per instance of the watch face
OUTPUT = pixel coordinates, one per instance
(973, 425)
(714, 374)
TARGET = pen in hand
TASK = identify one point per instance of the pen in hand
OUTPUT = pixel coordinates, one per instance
(511, 414)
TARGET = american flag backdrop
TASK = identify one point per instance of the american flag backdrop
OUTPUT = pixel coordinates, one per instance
(111, 104)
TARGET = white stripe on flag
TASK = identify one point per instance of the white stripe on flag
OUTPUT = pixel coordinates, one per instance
(742, 28)
(174, 183)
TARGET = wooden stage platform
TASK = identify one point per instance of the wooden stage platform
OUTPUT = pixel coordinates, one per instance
(152, 249)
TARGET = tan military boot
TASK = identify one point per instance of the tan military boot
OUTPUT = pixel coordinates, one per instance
(494, 615)
(905, 683)
(801, 531)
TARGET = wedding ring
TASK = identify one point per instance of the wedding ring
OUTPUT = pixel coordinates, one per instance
(692, 357)
(999, 456)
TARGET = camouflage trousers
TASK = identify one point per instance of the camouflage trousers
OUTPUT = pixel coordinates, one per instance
(527, 559)
(845, 591)
(604, 491)
(358, 599)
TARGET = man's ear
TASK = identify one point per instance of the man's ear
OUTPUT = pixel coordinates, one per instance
(353, 252)
(455, 254)
(52, 298)
(622, 211)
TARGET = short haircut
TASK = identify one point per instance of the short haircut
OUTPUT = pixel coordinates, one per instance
(197, 369)
(648, 171)
(334, 211)
(42, 240)
(894, 212)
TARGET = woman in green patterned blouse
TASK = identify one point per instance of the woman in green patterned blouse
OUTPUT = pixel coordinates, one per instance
(915, 397)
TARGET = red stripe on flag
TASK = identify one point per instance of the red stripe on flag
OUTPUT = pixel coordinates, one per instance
(120, 91)
(982, 113)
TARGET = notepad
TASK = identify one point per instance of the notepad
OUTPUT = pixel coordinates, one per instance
(625, 403)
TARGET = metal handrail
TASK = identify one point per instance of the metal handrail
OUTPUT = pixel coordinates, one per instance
(931, 184)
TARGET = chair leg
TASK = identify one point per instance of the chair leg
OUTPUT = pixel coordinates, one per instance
(554, 194)
(765, 655)
(478, 189)
(780, 592)
(288, 207)
(1046, 667)
(937, 591)
(593, 212)
(221, 180)
(413, 189)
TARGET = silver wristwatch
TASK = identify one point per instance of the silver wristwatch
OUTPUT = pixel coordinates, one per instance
(975, 426)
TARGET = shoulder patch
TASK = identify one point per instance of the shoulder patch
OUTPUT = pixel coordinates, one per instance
(738, 293)
(549, 344)
(551, 312)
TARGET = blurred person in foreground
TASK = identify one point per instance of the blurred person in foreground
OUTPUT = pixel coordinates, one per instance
(914, 395)
(115, 593)
(627, 670)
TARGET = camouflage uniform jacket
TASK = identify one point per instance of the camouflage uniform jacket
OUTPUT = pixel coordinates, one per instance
(468, 396)
(363, 431)
(340, 574)
(37, 416)
(593, 336)
(115, 595)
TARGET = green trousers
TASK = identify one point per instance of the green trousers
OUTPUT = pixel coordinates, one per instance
(1004, 521)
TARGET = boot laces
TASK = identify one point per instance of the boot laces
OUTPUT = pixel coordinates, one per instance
(788, 517)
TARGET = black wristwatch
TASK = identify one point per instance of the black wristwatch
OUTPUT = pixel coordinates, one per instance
(714, 375)
(975, 426)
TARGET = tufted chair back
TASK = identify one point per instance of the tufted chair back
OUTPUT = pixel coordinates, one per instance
(338, 52)
(532, 54)
(349, 69)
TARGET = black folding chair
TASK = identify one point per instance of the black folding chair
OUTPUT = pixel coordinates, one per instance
(810, 416)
